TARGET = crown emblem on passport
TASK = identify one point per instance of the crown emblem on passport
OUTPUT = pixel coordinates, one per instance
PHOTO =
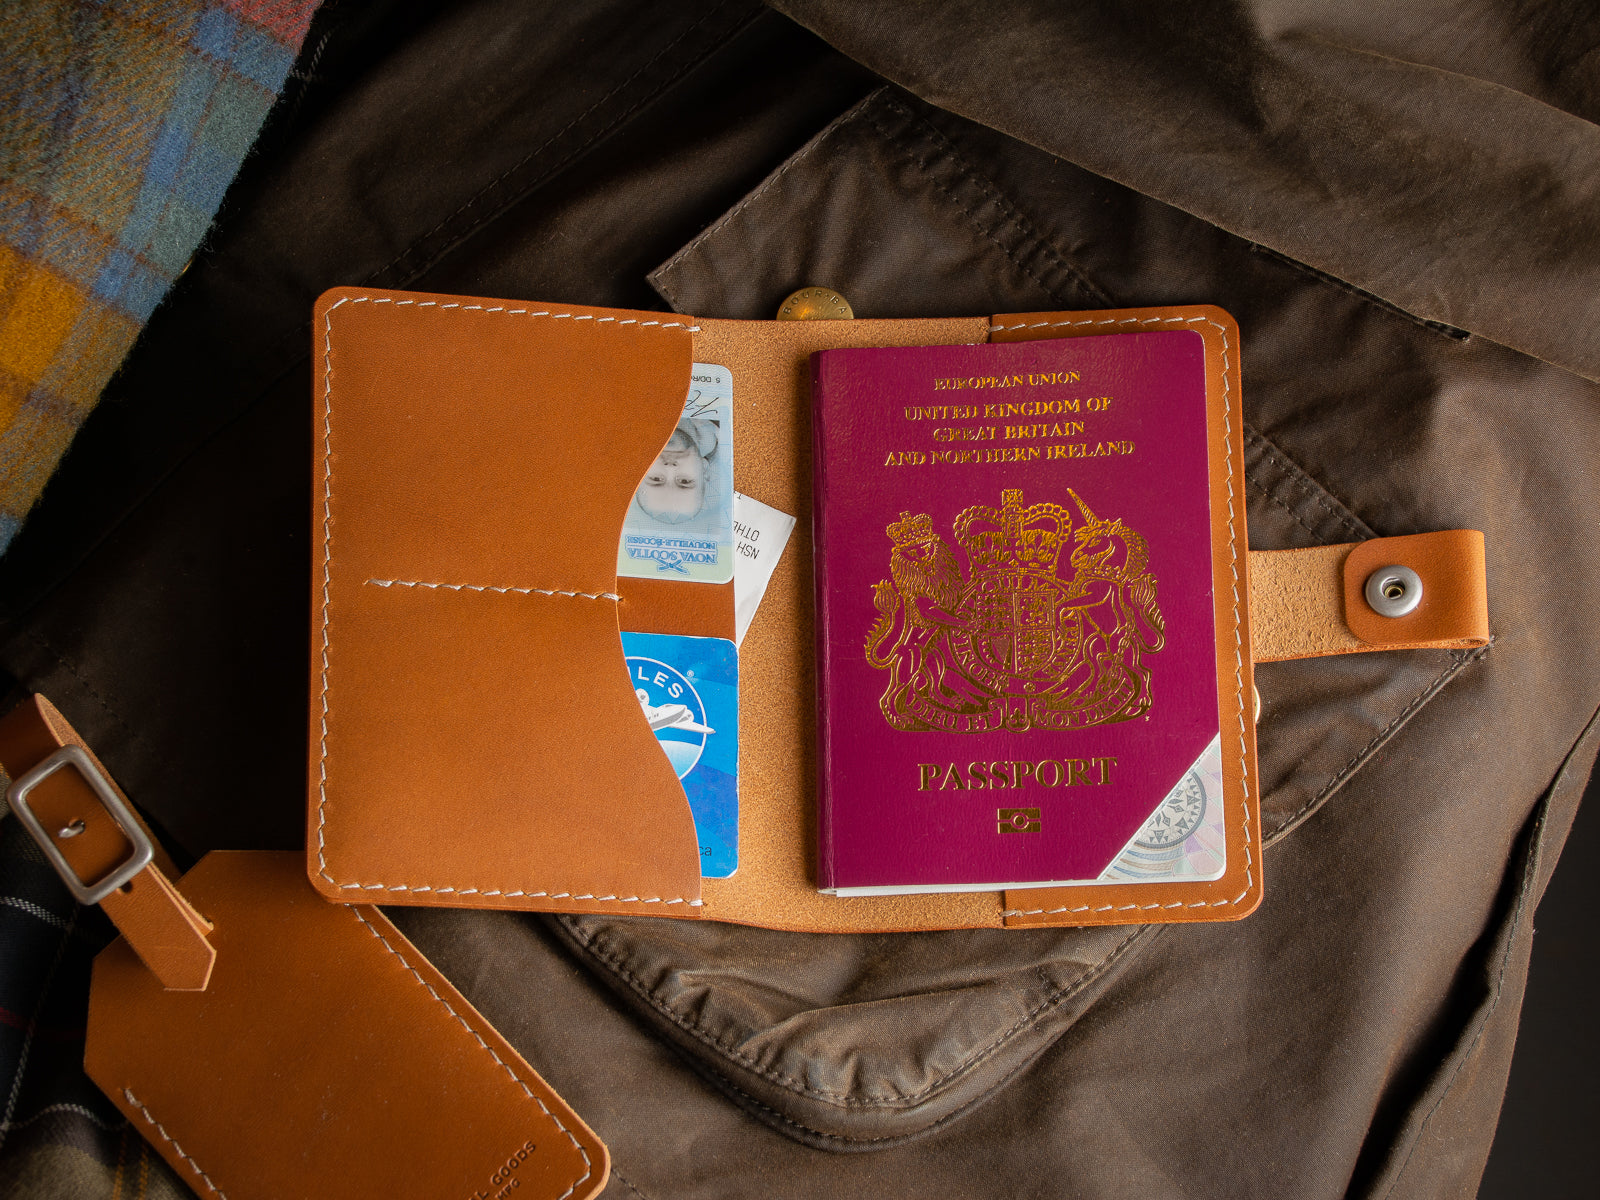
(912, 531)
(1013, 537)
(1046, 627)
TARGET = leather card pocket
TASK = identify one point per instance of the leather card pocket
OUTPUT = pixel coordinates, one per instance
(470, 704)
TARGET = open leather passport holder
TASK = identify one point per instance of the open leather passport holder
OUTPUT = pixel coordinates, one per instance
(474, 737)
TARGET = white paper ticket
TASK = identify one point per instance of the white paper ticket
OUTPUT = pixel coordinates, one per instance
(760, 532)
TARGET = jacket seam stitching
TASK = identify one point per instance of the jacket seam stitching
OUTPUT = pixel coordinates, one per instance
(44, 644)
(608, 956)
(1459, 662)
(827, 1140)
(1299, 477)
(1267, 494)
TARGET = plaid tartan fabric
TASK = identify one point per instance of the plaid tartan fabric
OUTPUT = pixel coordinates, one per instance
(121, 125)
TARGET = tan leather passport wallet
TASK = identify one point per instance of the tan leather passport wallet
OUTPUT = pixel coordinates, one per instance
(474, 739)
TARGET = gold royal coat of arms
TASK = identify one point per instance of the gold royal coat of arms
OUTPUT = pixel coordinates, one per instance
(1014, 644)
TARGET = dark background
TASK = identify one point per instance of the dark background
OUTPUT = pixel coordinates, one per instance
(1551, 1114)
(1548, 1127)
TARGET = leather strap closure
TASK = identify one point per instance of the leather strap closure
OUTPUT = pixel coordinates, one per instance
(1313, 602)
(98, 844)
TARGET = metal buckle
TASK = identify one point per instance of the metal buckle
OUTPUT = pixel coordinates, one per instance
(75, 757)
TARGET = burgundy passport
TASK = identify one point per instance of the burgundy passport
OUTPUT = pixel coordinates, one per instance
(1029, 669)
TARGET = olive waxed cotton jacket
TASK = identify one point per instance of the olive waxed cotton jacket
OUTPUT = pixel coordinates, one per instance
(1400, 210)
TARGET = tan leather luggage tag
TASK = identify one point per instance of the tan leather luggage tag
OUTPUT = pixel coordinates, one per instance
(365, 1073)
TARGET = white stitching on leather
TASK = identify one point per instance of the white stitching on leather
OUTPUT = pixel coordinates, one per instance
(588, 1165)
(510, 312)
(487, 587)
(327, 563)
(167, 1137)
(1238, 649)
(446, 891)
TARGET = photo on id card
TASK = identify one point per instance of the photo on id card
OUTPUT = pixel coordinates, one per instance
(679, 523)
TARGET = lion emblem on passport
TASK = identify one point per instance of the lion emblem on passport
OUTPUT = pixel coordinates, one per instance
(1047, 628)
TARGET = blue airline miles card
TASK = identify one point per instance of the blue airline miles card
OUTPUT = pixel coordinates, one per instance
(688, 688)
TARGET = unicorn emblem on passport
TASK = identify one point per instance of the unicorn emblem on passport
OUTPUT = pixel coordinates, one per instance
(1014, 643)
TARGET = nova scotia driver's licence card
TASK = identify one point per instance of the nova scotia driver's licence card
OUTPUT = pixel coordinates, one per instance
(679, 523)
(688, 690)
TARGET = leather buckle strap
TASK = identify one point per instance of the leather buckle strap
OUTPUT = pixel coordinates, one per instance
(140, 852)
(97, 844)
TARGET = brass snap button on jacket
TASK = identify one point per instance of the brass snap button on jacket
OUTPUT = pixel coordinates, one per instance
(815, 304)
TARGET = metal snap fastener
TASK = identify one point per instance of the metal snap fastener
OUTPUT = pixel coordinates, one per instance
(815, 304)
(1393, 591)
